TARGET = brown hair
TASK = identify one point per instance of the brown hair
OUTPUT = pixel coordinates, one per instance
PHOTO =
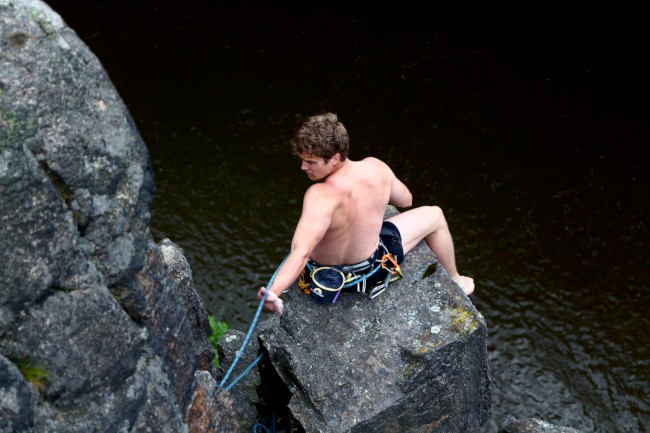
(322, 136)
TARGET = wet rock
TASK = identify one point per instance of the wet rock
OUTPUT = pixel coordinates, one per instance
(413, 359)
(108, 319)
(532, 425)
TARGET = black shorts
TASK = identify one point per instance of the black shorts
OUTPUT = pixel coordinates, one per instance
(392, 239)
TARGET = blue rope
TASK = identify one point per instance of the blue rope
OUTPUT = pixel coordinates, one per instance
(250, 331)
(352, 283)
(241, 376)
(266, 430)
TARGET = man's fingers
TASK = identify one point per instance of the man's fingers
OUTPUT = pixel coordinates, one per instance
(272, 302)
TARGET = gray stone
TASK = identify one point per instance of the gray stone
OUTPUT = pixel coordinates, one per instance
(18, 398)
(209, 399)
(144, 401)
(69, 144)
(75, 341)
(199, 325)
(246, 392)
(171, 324)
(110, 319)
(243, 393)
(532, 425)
(413, 359)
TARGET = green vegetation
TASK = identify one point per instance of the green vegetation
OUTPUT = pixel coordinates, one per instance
(33, 373)
(217, 329)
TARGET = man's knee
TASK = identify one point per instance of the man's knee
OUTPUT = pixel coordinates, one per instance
(437, 216)
(436, 211)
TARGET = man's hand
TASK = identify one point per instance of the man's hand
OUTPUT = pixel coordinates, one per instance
(272, 303)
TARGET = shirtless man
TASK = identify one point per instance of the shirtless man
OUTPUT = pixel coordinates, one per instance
(343, 212)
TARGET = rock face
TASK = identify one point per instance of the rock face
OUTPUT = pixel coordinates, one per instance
(246, 393)
(532, 425)
(100, 328)
(413, 359)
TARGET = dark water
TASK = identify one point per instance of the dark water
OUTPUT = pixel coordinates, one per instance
(528, 127)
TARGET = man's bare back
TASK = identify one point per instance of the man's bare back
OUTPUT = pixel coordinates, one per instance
(360, 190)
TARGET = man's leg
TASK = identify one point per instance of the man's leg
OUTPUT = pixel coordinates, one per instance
(429, 223)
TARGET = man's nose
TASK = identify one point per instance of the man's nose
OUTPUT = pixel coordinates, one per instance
(303, 166)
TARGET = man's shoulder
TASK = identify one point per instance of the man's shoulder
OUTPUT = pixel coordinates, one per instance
(321, 197)
(319, 189)
(373, 160)
(376, 165)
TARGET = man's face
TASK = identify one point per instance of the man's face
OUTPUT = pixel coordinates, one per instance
(315, 167)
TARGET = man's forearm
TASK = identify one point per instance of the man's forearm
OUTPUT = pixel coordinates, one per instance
(289, 272)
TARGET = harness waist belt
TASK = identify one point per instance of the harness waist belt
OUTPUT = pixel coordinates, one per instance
(367, 264)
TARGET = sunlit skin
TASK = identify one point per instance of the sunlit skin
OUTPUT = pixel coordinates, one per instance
(342, 215)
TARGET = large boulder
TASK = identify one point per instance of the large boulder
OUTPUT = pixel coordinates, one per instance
(100, 327)
(413, 359)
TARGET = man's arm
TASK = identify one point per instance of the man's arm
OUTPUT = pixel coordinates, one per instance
(400, 195)
(317, 212)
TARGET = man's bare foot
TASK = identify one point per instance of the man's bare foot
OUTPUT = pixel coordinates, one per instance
(465, 283)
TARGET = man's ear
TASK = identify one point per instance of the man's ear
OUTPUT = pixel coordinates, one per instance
(336, 158)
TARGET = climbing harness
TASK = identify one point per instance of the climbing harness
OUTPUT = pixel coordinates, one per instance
(326, 282)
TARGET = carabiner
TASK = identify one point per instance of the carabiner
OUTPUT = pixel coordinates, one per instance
(395, 269)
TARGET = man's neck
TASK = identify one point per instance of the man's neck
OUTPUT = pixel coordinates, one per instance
(336, 168)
